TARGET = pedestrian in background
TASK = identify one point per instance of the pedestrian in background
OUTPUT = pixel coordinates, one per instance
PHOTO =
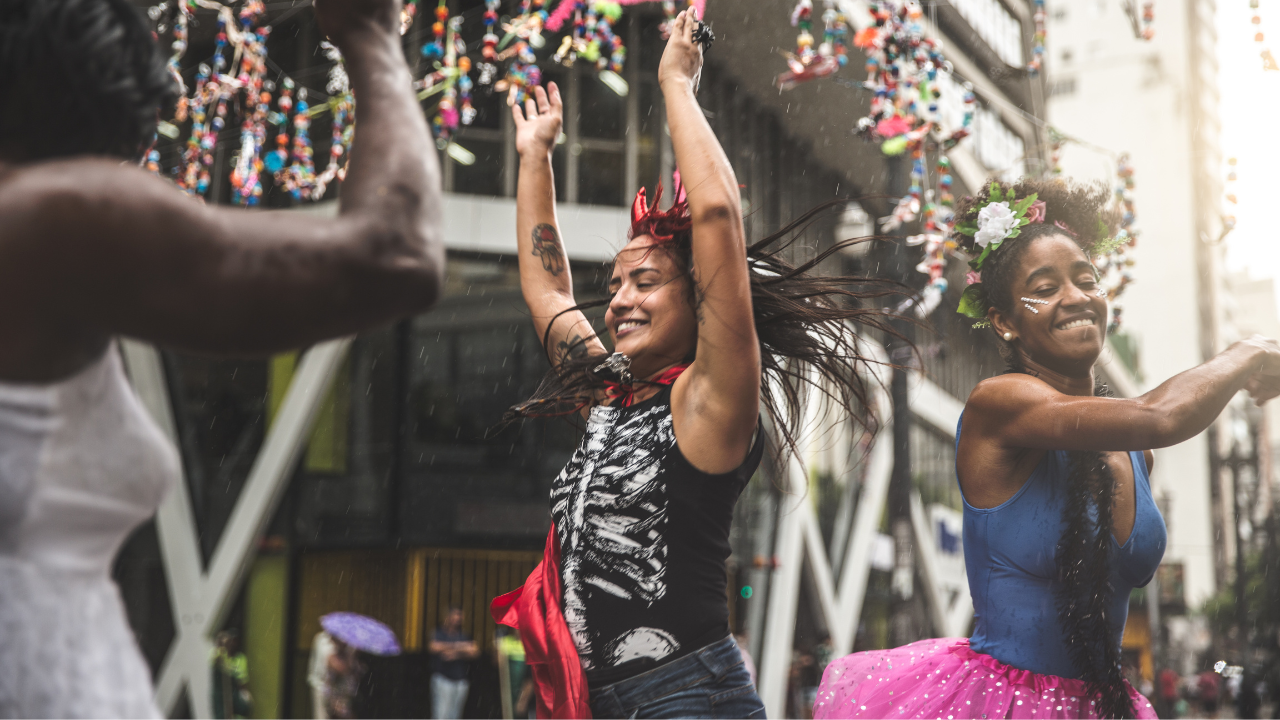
(322, 648)
(230, 668)
(452, 651)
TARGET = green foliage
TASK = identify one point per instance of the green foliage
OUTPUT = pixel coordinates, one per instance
(973, 302)
(1220, 610)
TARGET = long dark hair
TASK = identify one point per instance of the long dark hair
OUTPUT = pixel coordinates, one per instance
(1083, 554)
(807, 324)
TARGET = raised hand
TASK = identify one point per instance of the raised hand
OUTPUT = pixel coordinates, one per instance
(682, 60)
(1265, 382)
(538, 124)
(341, 20)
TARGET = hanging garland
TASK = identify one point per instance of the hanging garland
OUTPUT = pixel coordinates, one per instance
(1112, 258)
(592, 38)
(233, 85)
(1259, 38)
(810, 63)
(1037, 40)
(451, 79)
(236, 77)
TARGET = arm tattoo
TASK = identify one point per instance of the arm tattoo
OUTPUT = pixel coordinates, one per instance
(573, 348)
(546, 245)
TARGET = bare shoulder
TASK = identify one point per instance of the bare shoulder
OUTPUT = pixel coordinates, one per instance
(45, 197)
(1005, 391)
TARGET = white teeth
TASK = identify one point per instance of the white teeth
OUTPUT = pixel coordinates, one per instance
(628, 324)
(1083, 322)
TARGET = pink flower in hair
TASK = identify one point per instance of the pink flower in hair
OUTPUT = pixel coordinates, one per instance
(972, 277)
(1035, 213)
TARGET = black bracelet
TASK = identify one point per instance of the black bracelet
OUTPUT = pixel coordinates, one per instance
(703, 36)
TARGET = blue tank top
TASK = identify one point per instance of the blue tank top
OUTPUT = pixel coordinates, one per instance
(1009, 555)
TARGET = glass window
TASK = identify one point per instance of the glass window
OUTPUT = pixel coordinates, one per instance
(468, 361)
(648, 133)
(221, 412)
(486, 173)
(600, 110)
(600, 177)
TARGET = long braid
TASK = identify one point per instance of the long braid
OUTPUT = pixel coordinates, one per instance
(1084, 571)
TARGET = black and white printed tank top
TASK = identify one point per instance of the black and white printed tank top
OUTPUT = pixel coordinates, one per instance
(644, 537)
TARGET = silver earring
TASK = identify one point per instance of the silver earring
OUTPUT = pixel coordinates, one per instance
(1008, 337)
(1030, 308)
(1033, 300)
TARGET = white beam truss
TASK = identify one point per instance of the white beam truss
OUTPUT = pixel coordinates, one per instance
(201, 597)
(799, 540)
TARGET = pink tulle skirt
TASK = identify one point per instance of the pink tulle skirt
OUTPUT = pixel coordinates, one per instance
(943, 678)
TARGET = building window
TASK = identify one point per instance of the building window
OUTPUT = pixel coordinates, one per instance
(995, 25)
(1000, 149)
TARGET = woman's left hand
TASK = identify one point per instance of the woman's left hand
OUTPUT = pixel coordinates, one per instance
(682, 60)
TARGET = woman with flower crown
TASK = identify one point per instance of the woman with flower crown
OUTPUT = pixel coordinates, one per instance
(627, 615)
(1059, 521)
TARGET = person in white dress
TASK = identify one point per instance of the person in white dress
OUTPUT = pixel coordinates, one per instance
(93, 248)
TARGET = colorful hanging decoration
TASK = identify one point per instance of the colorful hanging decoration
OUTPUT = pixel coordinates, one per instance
(233, 86)
(246, 180)
(527, 25)
(810, 63)
(407, 13)
(523, 73)
(489, 50)
(902, 73)
(1259, 37)
(936, 218)
(451, 79)
(1037, 40)
(592, 38)
(1148, 19)
(1111, 257)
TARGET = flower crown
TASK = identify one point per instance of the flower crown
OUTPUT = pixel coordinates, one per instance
(1000, 219)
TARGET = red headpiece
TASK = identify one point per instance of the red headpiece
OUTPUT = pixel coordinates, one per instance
(661, 225)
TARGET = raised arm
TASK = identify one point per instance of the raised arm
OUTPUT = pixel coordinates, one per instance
(717, 407)
(544, 267)
(95, 248)
(1020, 411)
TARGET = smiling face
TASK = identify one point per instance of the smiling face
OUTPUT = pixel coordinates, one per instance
(1065, 331)
(650, 317)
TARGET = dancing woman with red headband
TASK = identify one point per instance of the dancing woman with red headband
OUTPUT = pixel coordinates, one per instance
(703, 329)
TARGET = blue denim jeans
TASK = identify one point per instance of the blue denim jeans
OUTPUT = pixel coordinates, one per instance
(709, 683)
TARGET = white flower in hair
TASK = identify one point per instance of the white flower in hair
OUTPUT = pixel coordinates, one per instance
(995, 222)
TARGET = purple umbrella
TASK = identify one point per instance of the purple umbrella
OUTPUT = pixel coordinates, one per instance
(361, 632)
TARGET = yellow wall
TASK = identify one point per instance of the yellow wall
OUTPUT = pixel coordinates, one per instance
(264, 642)
(409, 590)
(1137, 636)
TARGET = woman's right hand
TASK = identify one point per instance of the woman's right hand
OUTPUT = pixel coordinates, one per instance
(340, 20)
(1265, 382)
(538, 124)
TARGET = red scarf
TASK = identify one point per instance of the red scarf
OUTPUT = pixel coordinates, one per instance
(626, 393)
(535, 609)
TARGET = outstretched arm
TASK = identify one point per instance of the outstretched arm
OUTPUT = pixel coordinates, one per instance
(1019, 411)
(544, 267)
(717, 401)
(94, 248)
